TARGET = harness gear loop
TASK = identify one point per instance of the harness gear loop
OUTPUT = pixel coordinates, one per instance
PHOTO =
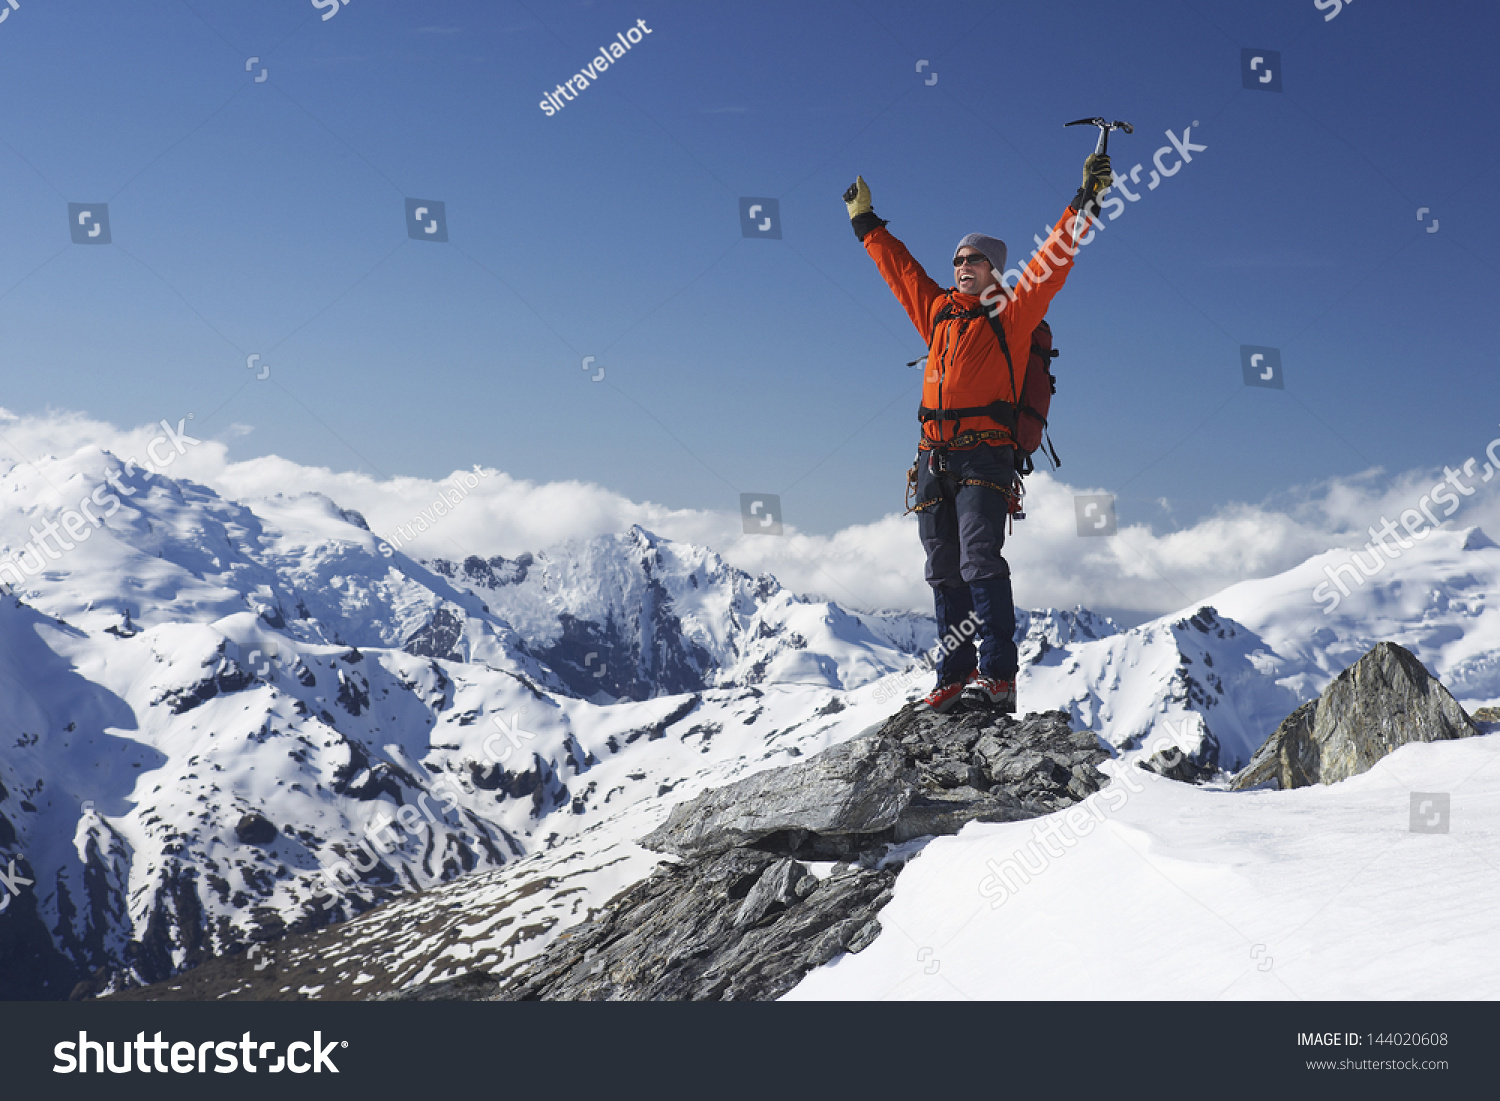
(937, 454)
(966, 439)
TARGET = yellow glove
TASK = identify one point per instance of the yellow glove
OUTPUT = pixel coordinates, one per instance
(857, 198)
(1096, 173)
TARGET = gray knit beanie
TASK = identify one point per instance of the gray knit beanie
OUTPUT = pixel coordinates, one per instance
(992, 247)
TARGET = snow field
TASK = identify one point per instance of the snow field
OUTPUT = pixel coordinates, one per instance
(1185, 892)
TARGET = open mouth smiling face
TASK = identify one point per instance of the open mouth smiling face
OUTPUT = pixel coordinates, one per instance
(970, 271)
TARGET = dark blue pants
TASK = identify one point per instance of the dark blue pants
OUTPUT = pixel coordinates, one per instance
(963, 532)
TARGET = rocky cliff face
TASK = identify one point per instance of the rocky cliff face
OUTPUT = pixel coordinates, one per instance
(919, 775)
(1381, 702)
(784, 870)
(743, 925)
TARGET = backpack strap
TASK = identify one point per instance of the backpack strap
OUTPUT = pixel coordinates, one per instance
(1001, 411)
(994, 316)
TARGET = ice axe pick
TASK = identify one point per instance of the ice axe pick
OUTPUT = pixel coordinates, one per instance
(1105, 126)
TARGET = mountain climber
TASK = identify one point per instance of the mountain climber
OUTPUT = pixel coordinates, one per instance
(965, 470)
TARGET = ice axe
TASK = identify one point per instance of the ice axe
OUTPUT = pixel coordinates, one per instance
(1105, 126)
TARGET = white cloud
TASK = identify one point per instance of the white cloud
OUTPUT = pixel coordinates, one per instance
(1137, 573)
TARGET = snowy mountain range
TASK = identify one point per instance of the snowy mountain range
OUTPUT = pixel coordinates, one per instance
(228, 724)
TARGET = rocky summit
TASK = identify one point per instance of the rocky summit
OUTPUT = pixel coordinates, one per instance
(918, 775)
(1381, 702)
(746, 912)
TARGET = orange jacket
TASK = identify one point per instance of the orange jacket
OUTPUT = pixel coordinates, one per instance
(965, 367)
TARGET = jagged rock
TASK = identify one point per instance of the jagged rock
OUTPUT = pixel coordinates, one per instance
(857, 787)
(783, 884)
(1487, 715)
(362, 778)
(1187, 768)
(1384, 700)
(1265, 767)
(684, 933)
(949, 774)
(946, 811)
(354, 691)
(919, 775)
(438, 637)
(255, 829)
(227, 677)
(493, 574)
(1041, 760)
(125, 629)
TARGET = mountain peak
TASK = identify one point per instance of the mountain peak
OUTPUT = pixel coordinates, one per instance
(1476, 539)
(639, 535)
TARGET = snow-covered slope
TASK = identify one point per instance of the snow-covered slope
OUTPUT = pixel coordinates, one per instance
(1183, 892)
(1318, 893)
(224, 720)
(1440, 599)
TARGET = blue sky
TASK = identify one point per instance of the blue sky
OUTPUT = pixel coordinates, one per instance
(269, 218)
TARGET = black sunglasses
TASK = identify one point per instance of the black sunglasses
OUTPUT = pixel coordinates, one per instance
(973, 258)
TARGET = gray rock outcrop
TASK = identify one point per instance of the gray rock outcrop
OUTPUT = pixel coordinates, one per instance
(744, 925)
(255, 829)
(919, 775)
(1381, 702)
(743, 917)
(849, 790)
(1187, 768)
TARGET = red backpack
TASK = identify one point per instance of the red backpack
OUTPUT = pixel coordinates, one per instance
(1036, 397)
